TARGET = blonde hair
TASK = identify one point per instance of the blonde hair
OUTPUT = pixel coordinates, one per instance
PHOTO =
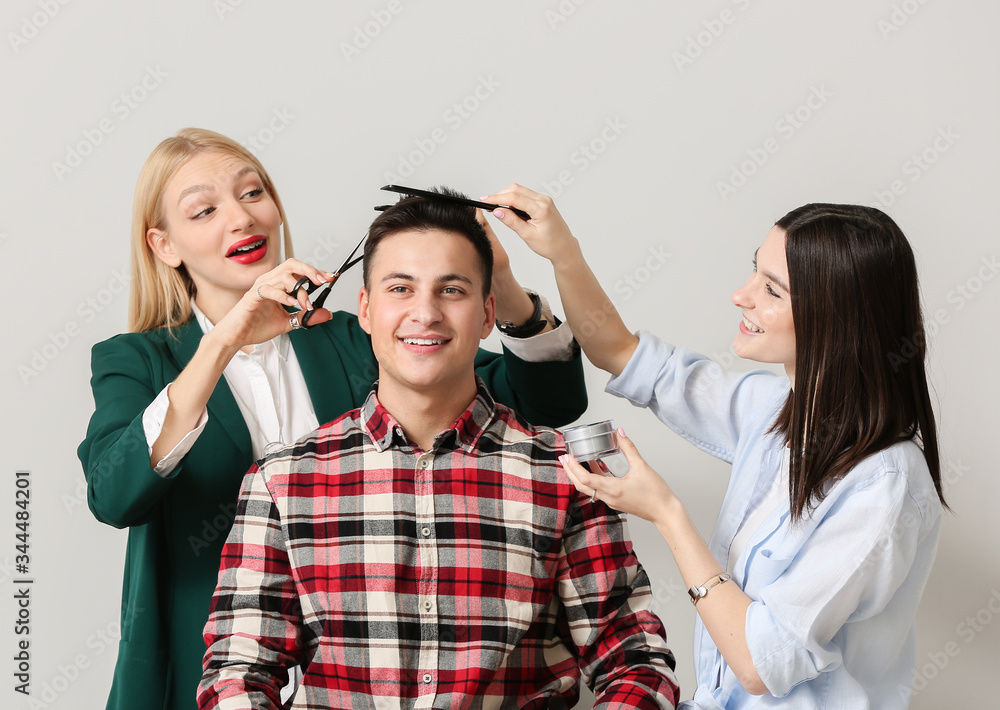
(160, 295)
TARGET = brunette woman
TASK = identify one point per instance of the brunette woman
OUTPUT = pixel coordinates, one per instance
(807, 591)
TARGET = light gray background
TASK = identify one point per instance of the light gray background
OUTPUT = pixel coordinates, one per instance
(888, 80)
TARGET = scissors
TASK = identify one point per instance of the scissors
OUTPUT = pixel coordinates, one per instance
(306, 283)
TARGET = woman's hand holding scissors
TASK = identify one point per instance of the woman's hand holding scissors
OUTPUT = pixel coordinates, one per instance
(260, 314)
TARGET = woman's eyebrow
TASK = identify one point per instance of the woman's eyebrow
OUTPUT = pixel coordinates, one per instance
(204, 188)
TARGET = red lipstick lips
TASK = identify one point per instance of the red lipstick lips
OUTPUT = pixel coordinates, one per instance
(249, 250)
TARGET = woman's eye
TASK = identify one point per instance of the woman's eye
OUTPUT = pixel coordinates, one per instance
(205, 212)
(256, 192)
(771, 291)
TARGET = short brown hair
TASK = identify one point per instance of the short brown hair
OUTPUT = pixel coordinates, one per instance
(426, 213)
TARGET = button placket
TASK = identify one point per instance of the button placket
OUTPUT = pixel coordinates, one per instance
(428, 571)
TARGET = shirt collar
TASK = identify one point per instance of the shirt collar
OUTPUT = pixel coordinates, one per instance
(383, 429)
(280, 342)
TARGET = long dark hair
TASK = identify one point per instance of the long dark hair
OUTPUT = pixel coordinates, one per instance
(860, 384)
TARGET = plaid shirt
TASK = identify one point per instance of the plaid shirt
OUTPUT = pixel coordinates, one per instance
(470, 576)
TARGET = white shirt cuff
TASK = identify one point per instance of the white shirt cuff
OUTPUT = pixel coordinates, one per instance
(553, 345)
(152, 424)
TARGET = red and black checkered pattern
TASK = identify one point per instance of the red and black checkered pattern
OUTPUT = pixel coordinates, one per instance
(469, 576)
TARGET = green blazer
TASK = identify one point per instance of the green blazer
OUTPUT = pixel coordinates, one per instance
(178, 523)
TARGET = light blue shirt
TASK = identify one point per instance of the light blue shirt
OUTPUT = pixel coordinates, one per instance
(835, 595)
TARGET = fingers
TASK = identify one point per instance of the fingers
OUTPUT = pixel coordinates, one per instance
(628, 448)
(279, 283)
(585, 481)
(298, 269)
(270, 292)
(521, 197)
(304, 319)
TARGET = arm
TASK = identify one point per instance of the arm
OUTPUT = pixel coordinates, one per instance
(254, 622)
(528, 385)
(779, 632)
(512, 302)
(128, 373)
(596, 324)
(644, 493)
(122, 488)
(620, 643)
(256, 318)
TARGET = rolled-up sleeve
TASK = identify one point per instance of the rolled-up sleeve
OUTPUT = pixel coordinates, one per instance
(850, 568)
(153, 418)
(694, 395)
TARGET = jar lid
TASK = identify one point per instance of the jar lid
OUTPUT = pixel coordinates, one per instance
(588, 431)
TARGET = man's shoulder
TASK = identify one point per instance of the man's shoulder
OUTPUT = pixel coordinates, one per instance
(346, 432)
(513, 428)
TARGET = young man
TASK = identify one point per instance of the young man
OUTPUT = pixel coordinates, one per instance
(427, 549)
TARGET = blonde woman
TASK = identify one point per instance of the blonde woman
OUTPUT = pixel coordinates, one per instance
(215, 369)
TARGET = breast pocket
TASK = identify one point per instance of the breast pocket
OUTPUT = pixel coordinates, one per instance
(765, 568)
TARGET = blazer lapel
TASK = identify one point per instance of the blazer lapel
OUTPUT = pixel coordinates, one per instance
(222, 405)
(325, 373)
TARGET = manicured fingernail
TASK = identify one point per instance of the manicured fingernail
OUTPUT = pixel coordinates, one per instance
(621, 433)
(484, 197)
(562, 459)
(291, 301)
(499, 214)
(329, 275)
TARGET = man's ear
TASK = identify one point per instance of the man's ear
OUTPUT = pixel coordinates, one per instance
(160, 245)
(490, 315)
(363, 317)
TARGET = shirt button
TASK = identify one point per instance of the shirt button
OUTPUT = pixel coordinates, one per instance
(427, 605)
(427, 678)
(426, 532)
(423, 463)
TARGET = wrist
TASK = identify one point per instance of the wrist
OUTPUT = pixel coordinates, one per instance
(568, 258)
(673, 519)
(514, 305)
(534, 324)
(215, 347)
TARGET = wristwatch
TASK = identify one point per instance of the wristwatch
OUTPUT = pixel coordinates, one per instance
(535, 325)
